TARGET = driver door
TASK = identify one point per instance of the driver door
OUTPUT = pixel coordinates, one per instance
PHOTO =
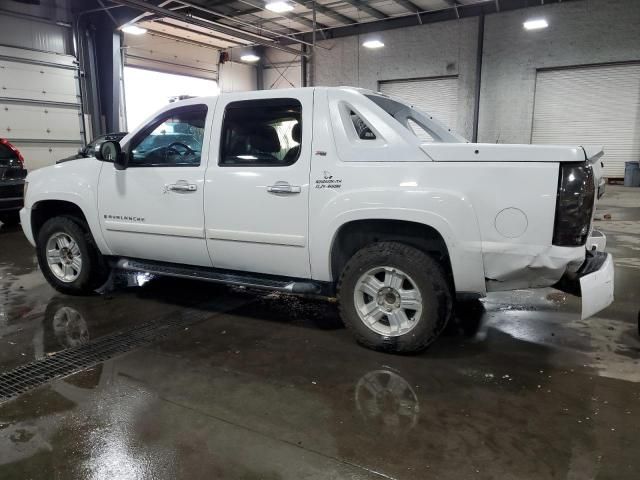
(154, 208)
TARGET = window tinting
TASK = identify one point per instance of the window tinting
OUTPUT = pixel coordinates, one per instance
(362, 129)
(174, 139)
(262, 132)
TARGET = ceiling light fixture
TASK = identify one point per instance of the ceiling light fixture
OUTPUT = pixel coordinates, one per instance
(373, 44)
(535, 24)
(250, 57)
(279, 7)
(134, 30)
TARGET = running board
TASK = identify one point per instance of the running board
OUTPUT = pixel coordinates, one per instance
(221, 276)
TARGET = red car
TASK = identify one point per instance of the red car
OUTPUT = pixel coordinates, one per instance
(12, 175)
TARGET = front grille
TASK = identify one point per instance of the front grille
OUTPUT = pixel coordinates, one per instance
(11, 190)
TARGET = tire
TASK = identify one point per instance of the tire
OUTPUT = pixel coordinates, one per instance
(10, 218)
(423, 283)
(83, 279)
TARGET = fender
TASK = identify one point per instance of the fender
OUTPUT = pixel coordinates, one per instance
(462, 238)
(74, 182)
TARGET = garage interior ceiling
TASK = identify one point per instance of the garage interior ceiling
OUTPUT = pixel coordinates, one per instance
(235, 23)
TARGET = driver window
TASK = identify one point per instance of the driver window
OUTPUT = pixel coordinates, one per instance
(174, 139)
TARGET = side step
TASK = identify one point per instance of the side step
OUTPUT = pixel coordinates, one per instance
(252, 280)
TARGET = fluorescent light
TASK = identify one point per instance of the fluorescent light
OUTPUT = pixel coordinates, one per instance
(373, 44)
(134, 30)
(250, 57)
(279, 7)
(536, 24)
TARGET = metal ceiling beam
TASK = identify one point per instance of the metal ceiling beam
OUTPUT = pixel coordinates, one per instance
(327, 12)
(407, 5)
(455, 10)
(208, 24)
(369, 10)
(291, 16)
(229, 18)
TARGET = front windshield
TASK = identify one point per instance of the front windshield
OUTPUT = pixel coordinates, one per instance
(423, 126)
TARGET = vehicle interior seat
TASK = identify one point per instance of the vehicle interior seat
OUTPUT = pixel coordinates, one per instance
(296, 135)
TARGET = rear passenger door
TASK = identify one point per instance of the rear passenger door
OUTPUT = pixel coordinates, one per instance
(257, 184)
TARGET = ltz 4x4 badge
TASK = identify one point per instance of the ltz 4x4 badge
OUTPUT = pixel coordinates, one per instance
(328, 181)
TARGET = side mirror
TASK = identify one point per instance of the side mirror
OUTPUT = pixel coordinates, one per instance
(112, 152)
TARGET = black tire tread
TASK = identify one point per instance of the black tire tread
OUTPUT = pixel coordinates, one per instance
(423, 262)
(98, 269)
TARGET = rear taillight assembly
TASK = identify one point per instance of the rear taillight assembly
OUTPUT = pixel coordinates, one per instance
(574, 204)
(15, 151)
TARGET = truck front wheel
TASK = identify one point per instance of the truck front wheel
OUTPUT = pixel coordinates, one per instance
(69, 258)
(394, 297)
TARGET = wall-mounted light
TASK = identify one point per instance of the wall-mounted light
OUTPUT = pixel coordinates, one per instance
(250, 58)
(535, 24)
(279, 6)
(134, 30)
(373, 43)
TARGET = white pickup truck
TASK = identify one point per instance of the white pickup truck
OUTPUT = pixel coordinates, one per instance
(330, 191)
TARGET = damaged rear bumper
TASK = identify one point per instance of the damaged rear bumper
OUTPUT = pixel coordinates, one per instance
(593, 282)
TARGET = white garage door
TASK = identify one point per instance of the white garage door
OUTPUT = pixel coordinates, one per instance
(598, 105)
(436, 96)
(39, 105)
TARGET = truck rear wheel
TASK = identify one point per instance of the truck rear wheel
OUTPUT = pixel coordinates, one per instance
(69, 258)
(394, 297)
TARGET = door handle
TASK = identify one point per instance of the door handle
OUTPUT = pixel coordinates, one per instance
(181, 186)
(284, 188)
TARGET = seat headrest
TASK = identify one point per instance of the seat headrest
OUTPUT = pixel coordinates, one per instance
(264, 138)
(296, 133)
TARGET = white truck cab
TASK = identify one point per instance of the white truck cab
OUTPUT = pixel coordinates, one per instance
(331, 191)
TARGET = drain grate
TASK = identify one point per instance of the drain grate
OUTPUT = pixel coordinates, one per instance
(72, 360)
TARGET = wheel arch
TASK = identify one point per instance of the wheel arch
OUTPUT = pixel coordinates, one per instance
(43, 210)
(462, 263)
(357, 234)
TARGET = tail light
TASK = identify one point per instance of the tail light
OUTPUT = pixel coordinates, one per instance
(15, 151)
(574, 205)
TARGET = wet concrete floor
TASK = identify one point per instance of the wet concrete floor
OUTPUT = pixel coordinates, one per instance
(272, 387)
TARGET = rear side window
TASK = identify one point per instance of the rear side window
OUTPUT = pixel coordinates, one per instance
(261, 133)
(363, 130)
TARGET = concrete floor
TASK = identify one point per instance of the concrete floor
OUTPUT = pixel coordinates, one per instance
(273, 387)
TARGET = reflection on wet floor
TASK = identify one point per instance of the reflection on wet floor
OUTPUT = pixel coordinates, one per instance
(271, 386)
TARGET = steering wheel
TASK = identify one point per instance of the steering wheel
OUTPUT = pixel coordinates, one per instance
(187, 148)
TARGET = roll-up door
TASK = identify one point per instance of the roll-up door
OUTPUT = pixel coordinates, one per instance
(594, 105)
(40, 105)
(160, 54)
(437, 97)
